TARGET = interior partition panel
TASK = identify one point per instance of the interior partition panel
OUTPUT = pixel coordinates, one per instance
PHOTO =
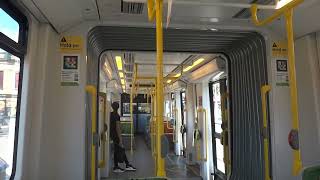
(248, 73)
(246, 50)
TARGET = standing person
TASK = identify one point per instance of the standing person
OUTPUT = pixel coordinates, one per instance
(115, 134)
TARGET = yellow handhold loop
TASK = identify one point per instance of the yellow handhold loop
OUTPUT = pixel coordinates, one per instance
(204, 111)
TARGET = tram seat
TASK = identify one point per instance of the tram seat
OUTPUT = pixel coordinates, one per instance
(311, 173)
(168, 132)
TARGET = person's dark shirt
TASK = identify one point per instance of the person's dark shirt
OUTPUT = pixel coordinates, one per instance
(114, 117)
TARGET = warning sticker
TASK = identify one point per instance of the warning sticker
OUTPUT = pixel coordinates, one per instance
(71, 44)
(282, 75)
(280, 49)
(70, 70)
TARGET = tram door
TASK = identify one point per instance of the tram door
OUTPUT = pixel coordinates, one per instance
(183, 129)
(219, 121)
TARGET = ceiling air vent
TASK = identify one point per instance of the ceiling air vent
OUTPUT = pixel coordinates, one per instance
(131, 8)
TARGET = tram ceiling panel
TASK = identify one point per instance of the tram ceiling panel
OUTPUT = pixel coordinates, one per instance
(175, 40)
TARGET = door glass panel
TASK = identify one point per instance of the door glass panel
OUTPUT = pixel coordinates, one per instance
(217, 107)
(220, 156)
(9, 66)
(8, 26)
(218, 128)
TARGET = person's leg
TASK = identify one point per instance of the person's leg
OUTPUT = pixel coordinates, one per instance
(129, 167)
(125, 158)
(116, 167)
(115, 155)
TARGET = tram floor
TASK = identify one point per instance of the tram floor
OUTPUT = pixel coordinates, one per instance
(176, 167)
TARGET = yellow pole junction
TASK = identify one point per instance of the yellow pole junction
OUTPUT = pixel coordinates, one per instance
(93, 92)
(287, 10)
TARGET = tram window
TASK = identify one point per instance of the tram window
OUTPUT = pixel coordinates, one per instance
(8, 107)
(13, 30)
(217, 88)
(8, 26)
(1, 80)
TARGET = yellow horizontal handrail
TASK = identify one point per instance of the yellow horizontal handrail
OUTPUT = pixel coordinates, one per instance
(264, 90)
(275, 15)
(202, 110)
(92, 90)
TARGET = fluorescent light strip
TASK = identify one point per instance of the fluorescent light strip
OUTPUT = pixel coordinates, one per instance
(198, 61)
(169, 81)
(195, 63)
(187, 68)
(119, 62)
(122, 82)
(121, 75)
(177, 75)
(282, 3)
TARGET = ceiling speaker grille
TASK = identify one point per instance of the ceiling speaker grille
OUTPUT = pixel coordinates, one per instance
(132, 8)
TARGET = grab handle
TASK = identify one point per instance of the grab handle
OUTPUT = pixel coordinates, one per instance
(93, 92)
(102, 162)
(204, 111)
(264, 90)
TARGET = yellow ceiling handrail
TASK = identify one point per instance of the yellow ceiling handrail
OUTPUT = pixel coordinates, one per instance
(275, 15)
(287, 10)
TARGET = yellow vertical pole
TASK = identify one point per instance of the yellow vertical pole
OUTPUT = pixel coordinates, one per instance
(131, 117)
(160, 129)
(297, 164)
(93, 92)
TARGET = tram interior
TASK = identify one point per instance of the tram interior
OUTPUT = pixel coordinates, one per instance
(196, 68)
(208, 89)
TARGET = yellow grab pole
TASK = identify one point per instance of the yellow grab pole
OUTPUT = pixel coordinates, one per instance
(93, 92)
(131, 110)
(160, 129)
(288, 12)
(264, 90)
(297, 164)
